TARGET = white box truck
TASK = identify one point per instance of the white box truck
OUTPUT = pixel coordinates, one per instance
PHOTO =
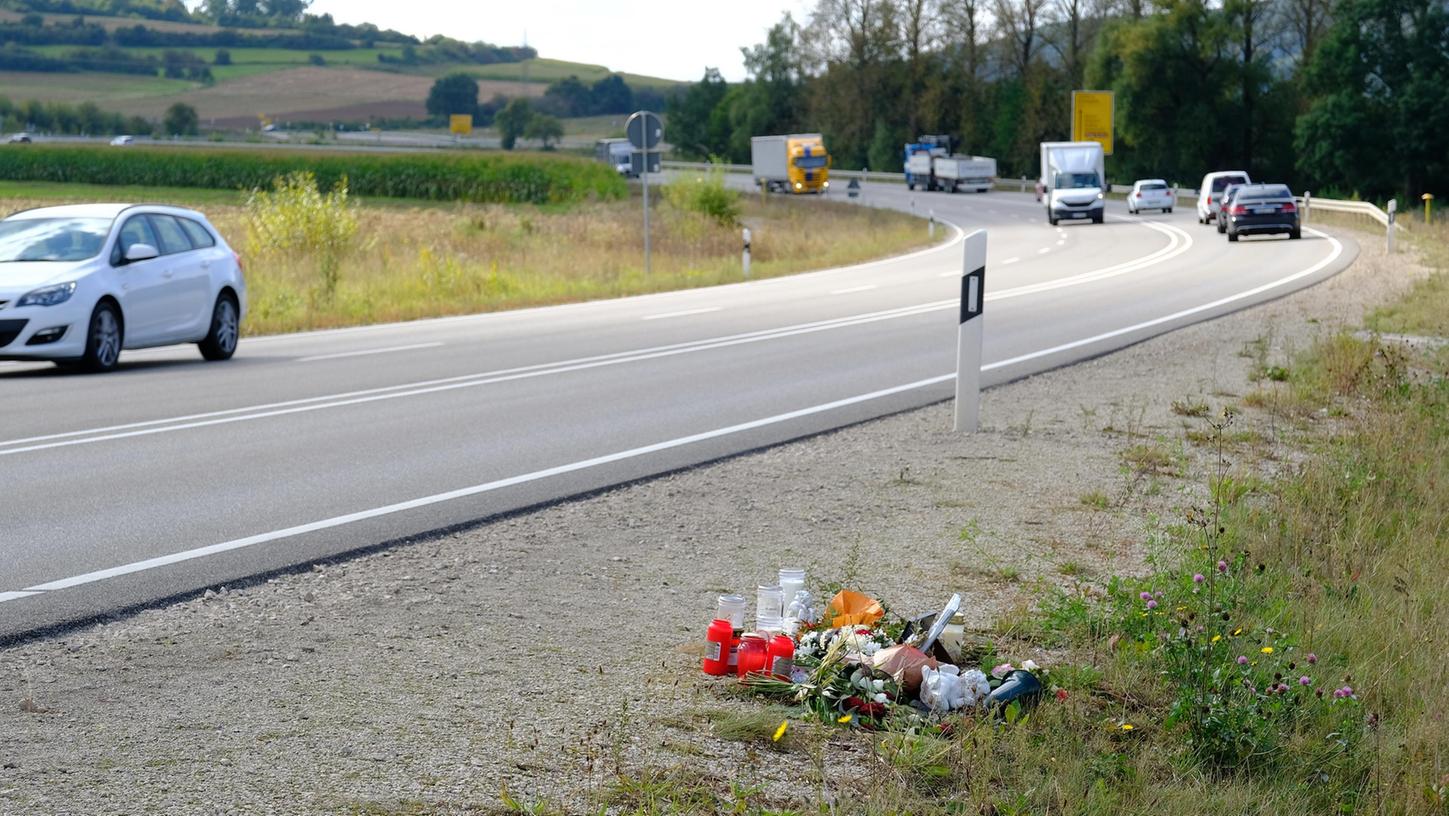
(956, 173)
(794, 163)
(616, 154)
(1073, 179)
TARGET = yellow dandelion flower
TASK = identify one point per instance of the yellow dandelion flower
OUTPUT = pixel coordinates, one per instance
(780, 732)
(847, 718)
(1237, 631)
(1217, 638)
(1126, 726)
(1266, 650)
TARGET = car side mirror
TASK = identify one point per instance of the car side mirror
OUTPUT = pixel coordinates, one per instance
(141, 252)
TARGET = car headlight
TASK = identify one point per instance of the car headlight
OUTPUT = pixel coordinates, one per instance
(1100, 196)
(798, 185)
(49, 296)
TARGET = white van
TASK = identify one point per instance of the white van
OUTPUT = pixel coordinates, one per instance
(1213, 185)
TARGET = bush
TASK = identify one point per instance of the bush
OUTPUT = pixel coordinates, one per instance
(705, 195)
(296, 218)
(485, 178)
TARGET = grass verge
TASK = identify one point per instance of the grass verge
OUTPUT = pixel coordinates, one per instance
(412, 260)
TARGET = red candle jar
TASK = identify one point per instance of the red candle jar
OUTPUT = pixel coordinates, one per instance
(782, 656)
(718, 646)
(754, 654)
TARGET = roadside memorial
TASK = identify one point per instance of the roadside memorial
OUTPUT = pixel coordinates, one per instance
(854, 663)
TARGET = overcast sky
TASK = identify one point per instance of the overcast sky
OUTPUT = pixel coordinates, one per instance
(675, 40)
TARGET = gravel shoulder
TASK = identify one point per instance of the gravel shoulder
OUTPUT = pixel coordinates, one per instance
(542, 652)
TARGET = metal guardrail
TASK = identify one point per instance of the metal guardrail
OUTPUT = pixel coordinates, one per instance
(1363, 208)
(892, 178)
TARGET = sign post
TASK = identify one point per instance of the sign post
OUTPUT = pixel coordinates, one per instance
(970, 334)
(645, 131)
(1428, 213)
(1092, 118)
(1393, 211)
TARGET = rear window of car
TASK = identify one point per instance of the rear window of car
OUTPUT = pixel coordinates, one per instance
(200, 238)
(172, 238)
(1154, 186)
(1221, 182)
(1266, 191)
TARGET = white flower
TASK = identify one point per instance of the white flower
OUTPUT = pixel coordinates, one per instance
(1029, 665)
(878, 684)
(879, 698)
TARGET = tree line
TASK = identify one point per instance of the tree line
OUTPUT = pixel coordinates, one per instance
(87, 119)
(1338, 96)
(538, 119)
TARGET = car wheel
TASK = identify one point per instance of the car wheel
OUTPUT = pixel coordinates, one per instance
(1051, 221)
(1295, 235)
(104, 339)
(1098, 218)
(911, 187)
(1233, 236)
(1168, 211)
(220, 341)
(1222, 228)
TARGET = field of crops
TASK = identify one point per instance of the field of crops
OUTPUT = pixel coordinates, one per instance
(488, 178)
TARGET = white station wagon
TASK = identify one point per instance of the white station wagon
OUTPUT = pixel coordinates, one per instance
(80, 283)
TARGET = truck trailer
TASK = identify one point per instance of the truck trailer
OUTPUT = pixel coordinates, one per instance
(793, 163)
(929, 163)
(1073, 180)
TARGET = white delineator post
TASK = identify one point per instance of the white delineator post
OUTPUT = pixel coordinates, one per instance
(970, 334)
(931, 226)
(1393, 210)
(745, 259)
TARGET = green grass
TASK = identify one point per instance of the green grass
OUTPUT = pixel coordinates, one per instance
(550, 70)
(248, 56)
(1422, 312)
(21, 86)
(40, 193)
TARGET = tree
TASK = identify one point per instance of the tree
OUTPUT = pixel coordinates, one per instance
(544, 128)
(223, 57)
(569, 97)
(695, 128)
(611, 95)
(181, 120)
(513, 121)
(453, 94)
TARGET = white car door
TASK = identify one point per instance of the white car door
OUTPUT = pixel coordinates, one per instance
(188, 280)
(143, 285)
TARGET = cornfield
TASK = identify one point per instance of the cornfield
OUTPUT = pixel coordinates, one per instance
(482, 179)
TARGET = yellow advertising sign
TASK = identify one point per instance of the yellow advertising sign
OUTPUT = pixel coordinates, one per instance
(461, 124)
(1092, 118)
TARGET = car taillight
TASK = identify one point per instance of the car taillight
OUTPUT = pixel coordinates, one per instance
(1290, 207)
(239, 265)
(1210, 201)
(1239, 209)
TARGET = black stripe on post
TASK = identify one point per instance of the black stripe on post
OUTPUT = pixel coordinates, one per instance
(973, 286)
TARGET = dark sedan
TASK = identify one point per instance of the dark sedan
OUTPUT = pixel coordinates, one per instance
(1225, 203)
(1263, 209)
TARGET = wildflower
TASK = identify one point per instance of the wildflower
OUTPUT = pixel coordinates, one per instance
(1146, 596)
(1266, 650)
(1222, 566)
(1305, 680)
(1282, 688)
(1237, 631)
(1002, 670)
(1152, 604)
(846, 719)
(1125, 726)
(1217, 638)
(1242, 660)
(1312, 658)
(1198, 578)
(780, 732)
(1061, 695)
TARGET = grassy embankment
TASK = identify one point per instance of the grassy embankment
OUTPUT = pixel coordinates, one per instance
(570, 233)
(1288, 655)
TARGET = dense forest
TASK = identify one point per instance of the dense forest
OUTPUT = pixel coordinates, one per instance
(1341, 96)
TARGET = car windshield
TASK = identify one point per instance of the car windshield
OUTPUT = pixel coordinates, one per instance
(1076, 181)
(810, 162)
(52, 239)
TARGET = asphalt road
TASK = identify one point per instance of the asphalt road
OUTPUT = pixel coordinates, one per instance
(172, 474)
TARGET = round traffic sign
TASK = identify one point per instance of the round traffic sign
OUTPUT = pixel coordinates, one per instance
(645, 130)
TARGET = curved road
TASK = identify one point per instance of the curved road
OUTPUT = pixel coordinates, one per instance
(172, 475)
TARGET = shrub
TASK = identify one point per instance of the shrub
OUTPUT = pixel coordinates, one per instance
(295, 217)
(705, 195)
(485, 179)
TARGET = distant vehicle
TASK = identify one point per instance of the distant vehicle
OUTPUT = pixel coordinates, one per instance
(1072, 177)
(917, 159)
(1225, 200)
(1264, 209)
(930, 164)
(19, 138)
(1213, 185)
(1150, 194)
(617, 154)
(795, 163)
(80, 283)
(122, 141)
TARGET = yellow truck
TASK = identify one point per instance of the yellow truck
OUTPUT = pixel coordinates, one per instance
(795, 163)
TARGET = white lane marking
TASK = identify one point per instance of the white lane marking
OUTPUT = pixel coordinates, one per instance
(365, 352)
(1009, 261)
(474, 490)
(852, 290)
(685, 313)
(150, 427)
(1043, 250)
(1257, 290)
(1174, 248)
(337, 521)
(1062, 242)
